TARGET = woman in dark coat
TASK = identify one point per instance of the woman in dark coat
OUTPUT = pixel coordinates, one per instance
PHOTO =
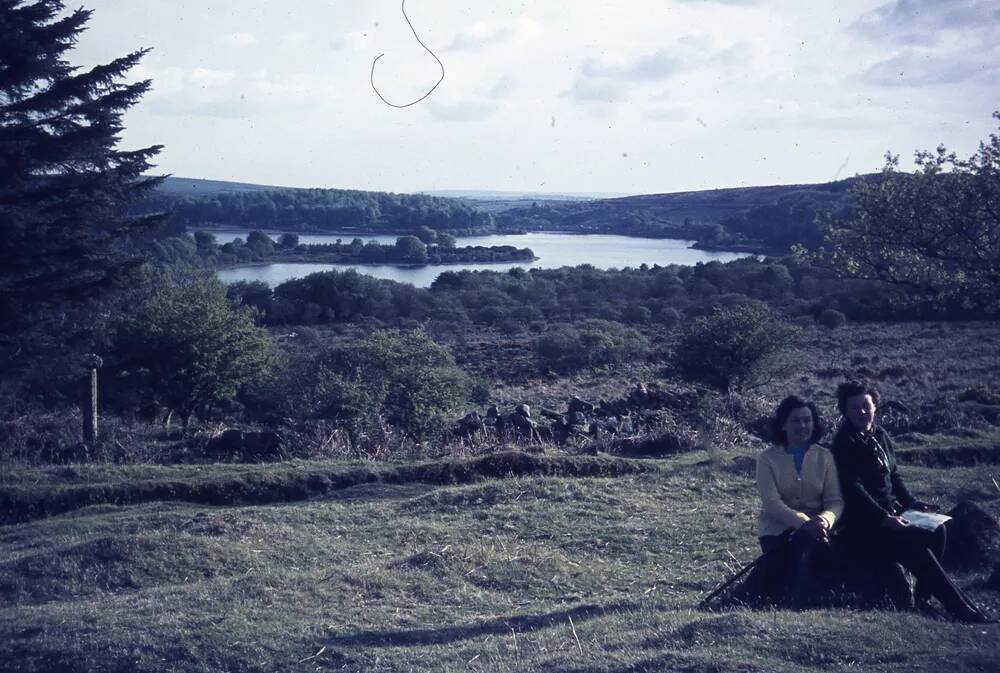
(874, 498)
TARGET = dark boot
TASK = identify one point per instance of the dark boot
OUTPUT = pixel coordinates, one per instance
(932, 579)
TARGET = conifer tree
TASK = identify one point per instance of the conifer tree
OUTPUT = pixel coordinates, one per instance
(64, 184)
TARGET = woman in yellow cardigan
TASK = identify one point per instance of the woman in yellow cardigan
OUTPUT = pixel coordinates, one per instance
(800, 501)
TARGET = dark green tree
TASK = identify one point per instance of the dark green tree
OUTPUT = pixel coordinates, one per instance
(935, 233)
(64, 184)
(260, 243)
(426, 234)
(189, 346)
(373, 251)
(446, 241)
(207, 245)
(410, 249)
(735, 347)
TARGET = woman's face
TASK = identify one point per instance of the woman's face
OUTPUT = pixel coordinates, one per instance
(861, 412)
(798, 427)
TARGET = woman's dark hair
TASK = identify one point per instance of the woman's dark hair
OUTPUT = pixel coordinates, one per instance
(787, 406)
(851, 388)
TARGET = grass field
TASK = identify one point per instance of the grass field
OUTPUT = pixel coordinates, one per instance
(526, 572)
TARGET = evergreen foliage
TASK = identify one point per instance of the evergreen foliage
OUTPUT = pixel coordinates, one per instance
(63, 181)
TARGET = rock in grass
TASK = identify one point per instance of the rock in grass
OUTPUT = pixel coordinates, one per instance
(993, 582)
(973, 538)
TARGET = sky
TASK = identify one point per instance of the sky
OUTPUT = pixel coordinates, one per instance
(644, 96)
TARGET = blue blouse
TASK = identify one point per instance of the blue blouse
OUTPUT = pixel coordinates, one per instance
(797, 453)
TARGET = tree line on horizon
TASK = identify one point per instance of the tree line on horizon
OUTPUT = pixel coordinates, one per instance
(318, 211)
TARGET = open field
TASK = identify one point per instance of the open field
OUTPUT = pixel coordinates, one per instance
(524, 573)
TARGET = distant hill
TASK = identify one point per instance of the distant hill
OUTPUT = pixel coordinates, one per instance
(498, 201)
(501, 195)
(197, 186)
(176, 185)
(206, 204)
(768, 218)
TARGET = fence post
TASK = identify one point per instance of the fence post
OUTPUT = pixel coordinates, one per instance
(93, 363)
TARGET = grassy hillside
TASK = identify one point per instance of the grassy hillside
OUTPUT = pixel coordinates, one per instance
(534, 571)
(199, 187)
(760, 219)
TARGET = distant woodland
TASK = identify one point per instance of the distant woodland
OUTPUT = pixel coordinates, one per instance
(755, 219)
(318, 210)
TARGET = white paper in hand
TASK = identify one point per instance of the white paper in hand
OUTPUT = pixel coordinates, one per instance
(925, 520)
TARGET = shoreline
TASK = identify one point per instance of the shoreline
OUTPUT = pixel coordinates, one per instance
(244, 265)
(694, 244)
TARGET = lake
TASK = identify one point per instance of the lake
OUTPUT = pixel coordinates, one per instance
(553, 250)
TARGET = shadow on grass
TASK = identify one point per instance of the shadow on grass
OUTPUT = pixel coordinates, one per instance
(501, 625)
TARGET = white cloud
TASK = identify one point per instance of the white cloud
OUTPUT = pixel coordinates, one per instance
(239, 39)
(609, 75)
(668, 114)
(207, 77)
(473, 109)
(356, 39)
(482, 35)
(923, 67)
(502, 87)
(303, 90)
(925, 20)
(657, 65)
(595, 90)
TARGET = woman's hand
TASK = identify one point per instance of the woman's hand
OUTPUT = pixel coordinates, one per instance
(895, 523)
(817, 528)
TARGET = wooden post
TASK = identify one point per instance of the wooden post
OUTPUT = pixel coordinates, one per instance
(92, 362)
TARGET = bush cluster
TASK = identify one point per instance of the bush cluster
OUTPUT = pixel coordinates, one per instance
(591, 342)
(735, 347)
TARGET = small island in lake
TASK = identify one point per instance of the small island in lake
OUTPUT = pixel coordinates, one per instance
(408, 250)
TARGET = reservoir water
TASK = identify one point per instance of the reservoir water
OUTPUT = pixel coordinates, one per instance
(553, 250)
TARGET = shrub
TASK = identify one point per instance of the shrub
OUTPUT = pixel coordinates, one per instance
(735, 347)
(593, 342)
(831, 318)
(402, 378)
(188, 346)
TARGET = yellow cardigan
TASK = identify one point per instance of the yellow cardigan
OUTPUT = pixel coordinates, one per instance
(789, 499)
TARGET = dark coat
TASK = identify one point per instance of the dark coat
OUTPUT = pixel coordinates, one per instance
(872, 487)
